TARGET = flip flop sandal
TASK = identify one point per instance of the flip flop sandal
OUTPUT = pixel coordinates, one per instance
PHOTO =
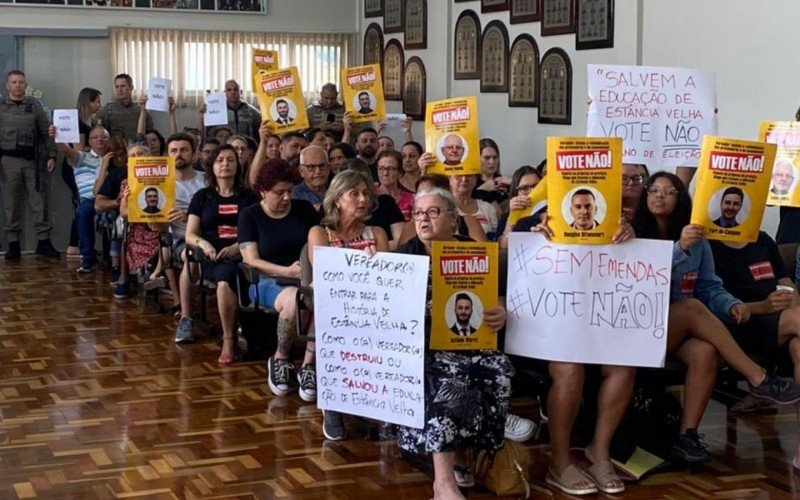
(569, 480)
(603, 474)
(464, 477)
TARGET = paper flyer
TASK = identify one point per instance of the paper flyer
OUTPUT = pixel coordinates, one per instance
(362, 87)
(785, 174)
(152, 184)
(451, 134)
(262, 61)
(280, 97)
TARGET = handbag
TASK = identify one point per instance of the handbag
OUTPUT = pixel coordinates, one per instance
(504, 472)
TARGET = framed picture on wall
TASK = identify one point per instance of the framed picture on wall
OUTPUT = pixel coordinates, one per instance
(558, 17)
(467, 47)
(493, 5)
(393, 14)
(555, 88)
(416, 26)
(373, 45)
(595, 25)
(393, 61)
(526, 11)
(523, 72)
(414, 89)
(373, 8)
(494, 58)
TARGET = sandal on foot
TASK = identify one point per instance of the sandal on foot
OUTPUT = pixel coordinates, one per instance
(464, 477)
(569, 480)
(602, 475)
(226, 359)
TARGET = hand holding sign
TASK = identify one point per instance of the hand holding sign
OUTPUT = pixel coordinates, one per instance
(65, 122)
(216, 112)
(158, 90)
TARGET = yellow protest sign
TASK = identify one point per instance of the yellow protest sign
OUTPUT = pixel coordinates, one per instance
(538, 197)
(451, 134)
(584, 188)
(280, 97)
(262, 61)
(151, 180)
(786, 171)
(732, 182)
(464, 278)
(362, 87)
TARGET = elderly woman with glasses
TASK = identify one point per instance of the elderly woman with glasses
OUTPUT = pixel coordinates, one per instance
(467, 392)
(389, 170)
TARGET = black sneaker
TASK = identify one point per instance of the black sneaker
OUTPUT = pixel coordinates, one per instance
(691, 448)
(279, 375)
(776, 389)
(333, 425)
(45, 249)
(307, 377)
(113, 280)
(13, 252)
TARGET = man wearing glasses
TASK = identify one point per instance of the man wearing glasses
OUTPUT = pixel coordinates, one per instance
(453, 150)
(328, 112)
(314, 170)
(634, 178)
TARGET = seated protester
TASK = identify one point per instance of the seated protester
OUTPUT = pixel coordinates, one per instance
(315, 171)
(634, 178)
(697, 300)
(212, 227)
(330, 140)
(389, 165)
(271, 235)
(291, 145)
(269, 147)
(86, 165)
(221, 133)
(468, 226)
(347, 206)
(385, 143)
(338, 153)
(207, 149)
(244, 151)
(466, 392)
(492, 187)
(156, 142)
(113, 170)
(523, 181)
(316, 137)
(411, 152)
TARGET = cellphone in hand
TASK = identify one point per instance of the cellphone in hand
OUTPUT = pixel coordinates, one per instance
(331, 118)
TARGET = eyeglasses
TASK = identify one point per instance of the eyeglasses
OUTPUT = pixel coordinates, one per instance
(431, 213)
(387, 170)
(633, 179)
(525, 189)
(668, 192)
(316, 168)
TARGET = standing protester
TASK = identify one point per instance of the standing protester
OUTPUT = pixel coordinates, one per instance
(243, 119)
(24, 145)
(327, 114)
(121, 116)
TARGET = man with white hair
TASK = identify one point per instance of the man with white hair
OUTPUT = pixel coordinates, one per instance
(452, 150)
(314, 170)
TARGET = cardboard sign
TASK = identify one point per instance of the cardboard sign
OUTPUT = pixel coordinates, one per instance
(587, 303)
(451, 134)
(370, 345)
(661, 114)
(731, 191)
(152, 184)
(538, 197)
(362, 87)
(262, 61)
(464, 277)
(584, 188)
(786, 170)
(216, 109)
(67, 126)
(158, 90)
(280, 97)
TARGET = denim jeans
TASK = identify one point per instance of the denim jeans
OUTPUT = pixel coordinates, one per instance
(86, 235)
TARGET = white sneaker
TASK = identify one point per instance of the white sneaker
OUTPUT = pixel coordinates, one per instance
(519, 429)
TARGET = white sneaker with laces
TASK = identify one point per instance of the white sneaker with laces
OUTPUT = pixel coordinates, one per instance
(519, 429)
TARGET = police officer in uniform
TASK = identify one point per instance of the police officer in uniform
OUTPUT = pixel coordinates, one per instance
(24, 145)
(121, 116)
(328, 113)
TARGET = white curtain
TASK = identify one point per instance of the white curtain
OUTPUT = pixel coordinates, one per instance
(200, 61)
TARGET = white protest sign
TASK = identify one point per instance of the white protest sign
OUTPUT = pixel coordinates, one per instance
(216, 109)
(158, 94)
(661, 114)
(394, 123)
(66, 123)
(369, 314)
(598, 304)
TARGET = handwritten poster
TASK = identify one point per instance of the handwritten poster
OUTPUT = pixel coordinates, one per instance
(370, 345)
(732, 184)
(598, 304)
(538, 197)
(216, 109)
(152, 184)
(67, 128)
(464, 278)
(280, 97)
(158, 94)
(451, 134)
(362, 87)
(661, 114)
(262, 61)
(584, 188)
(786, 171)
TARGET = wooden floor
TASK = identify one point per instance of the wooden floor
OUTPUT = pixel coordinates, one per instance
(96, 401)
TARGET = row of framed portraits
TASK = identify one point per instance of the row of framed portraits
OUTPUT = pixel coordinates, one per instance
(592, 21)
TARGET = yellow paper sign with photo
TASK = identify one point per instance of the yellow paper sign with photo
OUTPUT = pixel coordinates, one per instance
(786, 171)
(362, 87)
(151, 180)
(538, 197)
(262, 62)
(733, 179)
(451, 134)
(464, 277)
(280, 97)
(584, 188)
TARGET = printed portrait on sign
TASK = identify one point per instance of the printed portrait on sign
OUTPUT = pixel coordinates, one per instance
(283, 111)
(463, 313)
(784, 178)
(584, 208)
(364, 102)
(452, 149)
(729, 207)
(151, 200)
